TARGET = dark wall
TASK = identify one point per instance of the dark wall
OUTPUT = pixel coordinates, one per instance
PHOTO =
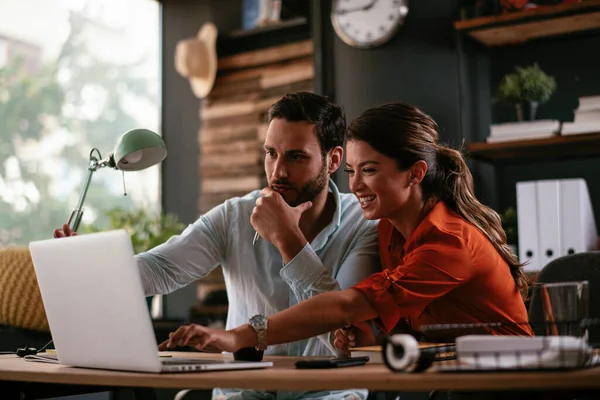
(181, 120)
(419, 65)
(180, 109)
(575, 65)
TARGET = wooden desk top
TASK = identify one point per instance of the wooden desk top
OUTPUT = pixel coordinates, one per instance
(283, 376)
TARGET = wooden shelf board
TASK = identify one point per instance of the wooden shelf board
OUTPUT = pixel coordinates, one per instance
(558, 147)
(288, 23)
(519, 27)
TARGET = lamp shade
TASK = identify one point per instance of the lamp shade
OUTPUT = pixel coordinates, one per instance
(139, 149)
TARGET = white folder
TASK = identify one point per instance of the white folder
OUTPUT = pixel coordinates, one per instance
(528, 225)
(548, 215)
(578, 226)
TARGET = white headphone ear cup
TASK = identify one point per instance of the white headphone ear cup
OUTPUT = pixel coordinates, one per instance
(401, 353)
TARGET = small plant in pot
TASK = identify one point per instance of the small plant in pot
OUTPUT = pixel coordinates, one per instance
(527, 85)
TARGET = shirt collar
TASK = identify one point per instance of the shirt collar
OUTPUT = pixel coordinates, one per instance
(321, 240)
(398, 246)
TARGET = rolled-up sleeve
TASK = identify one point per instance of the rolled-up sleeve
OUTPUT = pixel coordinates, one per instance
(433, 269)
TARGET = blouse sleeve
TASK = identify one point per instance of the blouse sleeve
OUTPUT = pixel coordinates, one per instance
(430, 271)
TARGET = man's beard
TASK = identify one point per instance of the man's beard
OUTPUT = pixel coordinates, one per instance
(310, 190)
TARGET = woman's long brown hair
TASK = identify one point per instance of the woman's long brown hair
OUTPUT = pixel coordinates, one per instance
(407, 135)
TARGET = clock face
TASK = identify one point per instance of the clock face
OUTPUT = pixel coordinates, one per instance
(367, 23)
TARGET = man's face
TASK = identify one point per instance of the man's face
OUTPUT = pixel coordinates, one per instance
(293, 162)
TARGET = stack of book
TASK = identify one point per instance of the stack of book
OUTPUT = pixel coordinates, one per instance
(526, 130)
(587, 117)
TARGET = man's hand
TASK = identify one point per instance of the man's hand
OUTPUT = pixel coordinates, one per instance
(64, 232)
(275, 220)
(357, 335)
(201, 338)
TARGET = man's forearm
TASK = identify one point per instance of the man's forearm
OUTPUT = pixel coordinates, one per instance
(320, 314)
(290, 245)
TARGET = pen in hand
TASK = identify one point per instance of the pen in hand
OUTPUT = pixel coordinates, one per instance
(256, 236)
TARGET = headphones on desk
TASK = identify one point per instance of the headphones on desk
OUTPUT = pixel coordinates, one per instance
(27, 351)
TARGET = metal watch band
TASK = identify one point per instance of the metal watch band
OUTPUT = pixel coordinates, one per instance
(261, 339)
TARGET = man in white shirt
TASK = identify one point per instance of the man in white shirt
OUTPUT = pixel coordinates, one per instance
(313, 238)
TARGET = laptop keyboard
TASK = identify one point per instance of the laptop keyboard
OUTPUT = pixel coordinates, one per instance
(187, 361)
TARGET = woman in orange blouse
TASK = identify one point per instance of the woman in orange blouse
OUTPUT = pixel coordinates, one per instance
(444, 254)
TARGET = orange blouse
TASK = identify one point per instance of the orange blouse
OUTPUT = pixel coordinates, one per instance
(448, 272)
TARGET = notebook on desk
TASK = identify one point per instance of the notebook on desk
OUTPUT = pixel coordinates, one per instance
(96, 309)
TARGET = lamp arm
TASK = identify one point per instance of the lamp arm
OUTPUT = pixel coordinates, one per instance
(95, 164)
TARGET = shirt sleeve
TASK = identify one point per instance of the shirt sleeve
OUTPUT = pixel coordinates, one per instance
(187, 257)
(307, 277)
(433, 269)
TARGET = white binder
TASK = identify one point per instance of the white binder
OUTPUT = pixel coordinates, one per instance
(548, 216)
(528, 225)
(555, 218)
(578, 226)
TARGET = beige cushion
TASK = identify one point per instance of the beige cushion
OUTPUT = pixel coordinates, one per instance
(20, 300)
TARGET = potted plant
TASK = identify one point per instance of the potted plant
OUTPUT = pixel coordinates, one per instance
(527, 85)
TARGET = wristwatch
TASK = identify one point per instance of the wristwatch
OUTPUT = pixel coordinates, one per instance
(259, 324)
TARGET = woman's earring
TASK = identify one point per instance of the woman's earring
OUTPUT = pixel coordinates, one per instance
(410, 183)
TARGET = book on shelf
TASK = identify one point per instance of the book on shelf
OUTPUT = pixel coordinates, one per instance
(525, 130)
(587, 117)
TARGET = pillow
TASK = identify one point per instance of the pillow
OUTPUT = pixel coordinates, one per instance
(20, 299)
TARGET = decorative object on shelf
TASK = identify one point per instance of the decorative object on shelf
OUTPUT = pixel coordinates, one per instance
(366, 24)
(196, 60)
(257, 13)
(587, 117)
(135, 150)
(514, 5)
(479, 8)
(528, 85)
(551, 18)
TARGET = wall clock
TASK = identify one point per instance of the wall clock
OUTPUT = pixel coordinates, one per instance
(367, 23)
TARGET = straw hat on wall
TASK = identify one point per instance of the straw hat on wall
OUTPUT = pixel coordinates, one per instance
(196, 60)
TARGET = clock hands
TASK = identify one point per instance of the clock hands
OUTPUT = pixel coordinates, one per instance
(363, 8)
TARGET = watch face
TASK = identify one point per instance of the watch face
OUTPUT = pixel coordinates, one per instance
(258, 321)
(367, 23)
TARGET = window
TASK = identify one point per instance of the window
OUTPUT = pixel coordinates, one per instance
(74, 75)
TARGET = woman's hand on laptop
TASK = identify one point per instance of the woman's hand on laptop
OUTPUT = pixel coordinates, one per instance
(201, 338)
(64, 232)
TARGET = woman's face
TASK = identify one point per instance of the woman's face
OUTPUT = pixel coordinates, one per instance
(381, 188)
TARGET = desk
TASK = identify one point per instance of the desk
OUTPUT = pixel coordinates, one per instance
(283, 376)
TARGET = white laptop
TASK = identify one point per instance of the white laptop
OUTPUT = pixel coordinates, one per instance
(95, 305)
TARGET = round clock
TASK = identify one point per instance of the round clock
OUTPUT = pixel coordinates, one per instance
(367, 23)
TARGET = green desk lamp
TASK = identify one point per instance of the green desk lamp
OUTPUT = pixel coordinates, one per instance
(135, 150)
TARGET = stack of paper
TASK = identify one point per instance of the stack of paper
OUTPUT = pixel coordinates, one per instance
(528, 130)
(587, 117)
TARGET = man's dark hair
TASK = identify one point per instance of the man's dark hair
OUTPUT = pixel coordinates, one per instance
(328, 117)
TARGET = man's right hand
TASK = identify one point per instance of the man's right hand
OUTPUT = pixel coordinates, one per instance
(64, 232)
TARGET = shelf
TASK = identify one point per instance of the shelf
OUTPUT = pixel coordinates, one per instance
(522, 26)
(285, 31)
(558, 147)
